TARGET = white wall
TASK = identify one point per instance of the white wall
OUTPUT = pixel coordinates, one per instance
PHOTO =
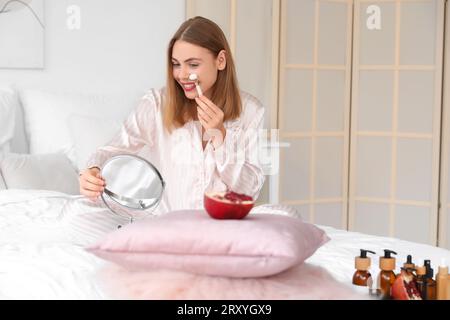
(121, 46)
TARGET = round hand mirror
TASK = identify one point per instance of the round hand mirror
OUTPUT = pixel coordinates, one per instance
(134, 187)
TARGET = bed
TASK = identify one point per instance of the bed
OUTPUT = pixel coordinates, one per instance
(43, 234)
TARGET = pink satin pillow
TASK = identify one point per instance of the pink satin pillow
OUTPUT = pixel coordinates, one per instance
(191, 241)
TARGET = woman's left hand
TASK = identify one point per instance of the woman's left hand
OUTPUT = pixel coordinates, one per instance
(211, 118)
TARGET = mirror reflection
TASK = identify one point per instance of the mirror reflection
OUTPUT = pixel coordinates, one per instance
(134, 187)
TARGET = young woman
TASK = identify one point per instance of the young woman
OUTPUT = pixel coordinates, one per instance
(198, 139)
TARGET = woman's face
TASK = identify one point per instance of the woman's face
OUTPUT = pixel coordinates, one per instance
(188, 58)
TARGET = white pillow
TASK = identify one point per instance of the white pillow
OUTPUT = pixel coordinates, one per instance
(39, 172)
(47, 117)
(89, 133)
(9, 103)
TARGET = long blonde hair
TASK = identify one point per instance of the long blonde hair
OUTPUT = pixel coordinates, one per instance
(225, 93)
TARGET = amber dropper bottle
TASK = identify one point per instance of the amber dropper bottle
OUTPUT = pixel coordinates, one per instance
(409, 265)
(431, 283)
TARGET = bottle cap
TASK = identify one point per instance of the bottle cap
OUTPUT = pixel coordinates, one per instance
(363, 262)
(443, 270)
(387, 263)
(409, 264)
(364, 253)
(420, 271)
(443, 267)
(430, 271)
(387, 253)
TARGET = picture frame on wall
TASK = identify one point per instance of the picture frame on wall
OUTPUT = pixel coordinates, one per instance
(22, 34)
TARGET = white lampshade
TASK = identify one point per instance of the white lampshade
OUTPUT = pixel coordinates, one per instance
(13, 5)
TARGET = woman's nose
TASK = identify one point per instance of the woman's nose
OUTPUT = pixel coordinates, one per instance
(184, 74)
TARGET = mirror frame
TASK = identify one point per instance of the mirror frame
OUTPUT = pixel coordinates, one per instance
(139, 202)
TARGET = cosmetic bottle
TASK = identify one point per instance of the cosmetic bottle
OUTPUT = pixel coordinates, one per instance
(387, 275)
(431, 283)
(448, 287)
(362, 265)
(409, 265)
(373, 283)
(442, 281)
(421, 281)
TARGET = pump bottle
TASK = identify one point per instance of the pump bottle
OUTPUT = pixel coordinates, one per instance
(387, 275)
(362, 265)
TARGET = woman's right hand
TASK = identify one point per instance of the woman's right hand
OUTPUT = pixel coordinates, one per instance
(91, 183)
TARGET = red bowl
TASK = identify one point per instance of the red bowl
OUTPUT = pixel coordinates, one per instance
(227, 205)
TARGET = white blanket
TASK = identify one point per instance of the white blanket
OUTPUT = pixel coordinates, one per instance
(42, 239)
(43, 234)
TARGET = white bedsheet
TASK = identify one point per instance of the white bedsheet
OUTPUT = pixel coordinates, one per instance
(42, 236)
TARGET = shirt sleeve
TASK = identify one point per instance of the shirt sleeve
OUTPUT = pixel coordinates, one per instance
(237, 158)
(136, 131)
